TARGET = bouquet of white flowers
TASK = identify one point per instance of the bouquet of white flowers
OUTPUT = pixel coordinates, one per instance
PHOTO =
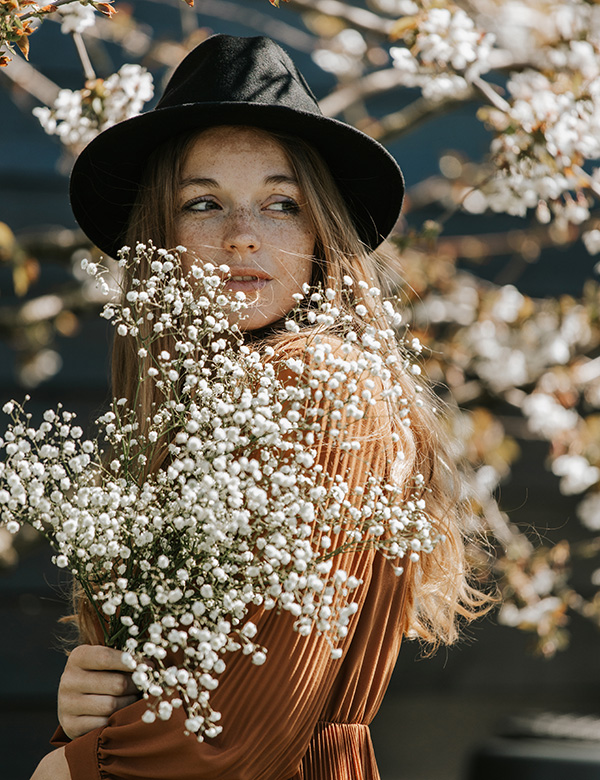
(177, 522)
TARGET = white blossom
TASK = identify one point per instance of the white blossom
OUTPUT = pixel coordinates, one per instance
(549, 127)
(77, 18)
(591, 240)
(576, 472)
(546, 417)
(343, 53)
(532, 614)
(445, 55)
(78, 116)
(588, 511)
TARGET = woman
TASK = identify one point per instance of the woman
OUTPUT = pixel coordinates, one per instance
(237, 164)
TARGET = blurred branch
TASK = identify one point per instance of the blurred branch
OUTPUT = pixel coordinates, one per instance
(504, 531)
(372, 84)
(265, 23)
(56, 245)
(45, 308)
(488, 91)
(359, 18)
(412, 116)
(86, 63)
(25, 76)
(587, 372)
(491, 244)
(55, 4)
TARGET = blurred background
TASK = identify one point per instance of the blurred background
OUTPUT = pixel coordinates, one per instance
(503, 295)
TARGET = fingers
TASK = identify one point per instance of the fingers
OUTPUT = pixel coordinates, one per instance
(105, 706)
(80, 713)
(95, 684)
(105, 683)
(98, 658)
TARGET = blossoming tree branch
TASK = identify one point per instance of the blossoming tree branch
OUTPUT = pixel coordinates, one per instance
(529, 72)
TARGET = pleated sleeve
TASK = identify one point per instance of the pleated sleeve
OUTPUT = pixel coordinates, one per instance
(269, 712)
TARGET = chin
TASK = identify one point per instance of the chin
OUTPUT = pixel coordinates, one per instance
(256, 322)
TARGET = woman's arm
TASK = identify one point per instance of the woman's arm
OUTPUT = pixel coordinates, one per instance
(53, 767)
(94, 685)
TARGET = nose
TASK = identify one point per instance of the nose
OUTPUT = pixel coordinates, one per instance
(241, 234)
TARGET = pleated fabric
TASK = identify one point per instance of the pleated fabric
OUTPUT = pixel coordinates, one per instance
(302, 715)
(343, 751)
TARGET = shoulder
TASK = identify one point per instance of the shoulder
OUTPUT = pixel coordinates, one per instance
(351, 378)
(321, 352)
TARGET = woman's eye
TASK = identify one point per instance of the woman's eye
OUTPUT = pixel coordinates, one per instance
(201, 204)
(286, 206)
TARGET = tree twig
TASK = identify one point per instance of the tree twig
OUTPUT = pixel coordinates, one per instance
(490, 93)
(416, 113)
(56, 4)
(88, 68)
(372, 84)
(24, 75)
(266, 24)
(359, 18)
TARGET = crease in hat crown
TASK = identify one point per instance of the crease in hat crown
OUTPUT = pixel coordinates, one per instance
(250, 70)
(229, 80)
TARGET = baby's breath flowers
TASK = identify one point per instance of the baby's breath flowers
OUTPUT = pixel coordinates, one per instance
(221, 499)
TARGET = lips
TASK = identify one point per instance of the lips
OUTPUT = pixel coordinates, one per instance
(246, 280)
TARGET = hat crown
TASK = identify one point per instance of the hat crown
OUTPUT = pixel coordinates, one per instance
(228, 69)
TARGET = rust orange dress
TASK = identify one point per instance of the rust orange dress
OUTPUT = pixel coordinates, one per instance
(300, 716)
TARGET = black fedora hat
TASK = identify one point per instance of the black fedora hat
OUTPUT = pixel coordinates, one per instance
(228, 80)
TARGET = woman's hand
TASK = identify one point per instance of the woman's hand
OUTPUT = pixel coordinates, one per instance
(53, 767)
(95, 684)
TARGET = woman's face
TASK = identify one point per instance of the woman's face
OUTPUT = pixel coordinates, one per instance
(239, 204)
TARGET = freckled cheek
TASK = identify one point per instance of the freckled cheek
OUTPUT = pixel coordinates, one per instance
(195, 238)
(297, 242)
(296, 272)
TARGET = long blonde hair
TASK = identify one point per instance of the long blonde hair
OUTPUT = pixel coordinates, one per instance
(439, 590)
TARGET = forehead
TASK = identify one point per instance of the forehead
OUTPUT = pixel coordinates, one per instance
(218, 145)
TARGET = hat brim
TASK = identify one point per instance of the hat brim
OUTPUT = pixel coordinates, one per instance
(106, 175)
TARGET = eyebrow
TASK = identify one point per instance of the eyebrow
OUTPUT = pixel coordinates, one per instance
(277, 178)
(199, 181)
(280, 178)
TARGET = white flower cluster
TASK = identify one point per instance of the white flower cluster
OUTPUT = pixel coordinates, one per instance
(546, 417)
(591, 239)
(588, 511)
(506, 357)
(576, 472)
(540, 613)
(343, 54)
(78, 116)
(395, 7)
(444, 52)
(76, 17)
(550, 127)
(223, 497)
(503, 355)
(548, 33)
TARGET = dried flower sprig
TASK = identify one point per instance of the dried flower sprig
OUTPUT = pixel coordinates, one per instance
(16, 21)
(221, 499)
